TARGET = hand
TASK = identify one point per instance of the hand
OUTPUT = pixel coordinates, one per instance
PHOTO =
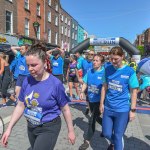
(132, 115)
(81, 96)
(80, 80)
(101, 108)
(4, 140)
(71, 137)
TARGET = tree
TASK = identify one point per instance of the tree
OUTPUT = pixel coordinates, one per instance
(141, 49)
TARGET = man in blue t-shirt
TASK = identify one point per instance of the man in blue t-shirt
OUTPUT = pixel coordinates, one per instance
(93, 83)
(21, 67)
(57, 62)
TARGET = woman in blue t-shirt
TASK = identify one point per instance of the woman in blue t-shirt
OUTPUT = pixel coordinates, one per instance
(41, 100)
(117, 105)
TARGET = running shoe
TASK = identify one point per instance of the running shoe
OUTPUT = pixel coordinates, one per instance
(110, 147)
(84, 146)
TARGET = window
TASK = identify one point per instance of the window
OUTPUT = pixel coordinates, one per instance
(62, 17)
(26, 27)
(76, 28)
(62, 29)
(49, 35)
(66, 20)
(9, 22)
(65, 30)
(73, 35)
(69, 23)
(68, 33)
(56, 20)
(26, 4)
(49, 2)
(73, 25)
(38, 32)
(56, 7)
(38, 9)
(56, 38)
(49, 16)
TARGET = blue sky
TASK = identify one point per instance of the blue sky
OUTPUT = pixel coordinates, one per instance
(110, 18)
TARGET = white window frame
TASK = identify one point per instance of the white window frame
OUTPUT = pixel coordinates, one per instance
(65, 30)
(49, 16)
(56, 20)
(62, 17)
(56, 6)
(56, 38)
(49, 2)
(68, 32)
(49, 36)
(38, 9)
(72, 35)
(26, 27)
(62, 29)
(11, 22)
(66, 20)
(38, 32)
(73, 25)
(26, 4)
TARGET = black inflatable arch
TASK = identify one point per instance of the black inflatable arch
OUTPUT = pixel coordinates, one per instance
(125, 44)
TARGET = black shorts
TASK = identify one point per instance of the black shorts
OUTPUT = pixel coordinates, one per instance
(73, 79)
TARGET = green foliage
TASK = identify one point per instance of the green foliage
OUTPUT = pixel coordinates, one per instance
(141, 49)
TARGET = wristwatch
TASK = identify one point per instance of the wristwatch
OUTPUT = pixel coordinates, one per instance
(133, 110)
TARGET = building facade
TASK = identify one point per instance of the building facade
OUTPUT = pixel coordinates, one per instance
(8, 17)
(74, 33)
(147, 41)
(80, 33)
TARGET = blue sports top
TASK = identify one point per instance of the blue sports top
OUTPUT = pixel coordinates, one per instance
(57, 65)
(119, 82)
(93, 79)
(21, 65)
(145, 81)
(86, 66)
(79, 62)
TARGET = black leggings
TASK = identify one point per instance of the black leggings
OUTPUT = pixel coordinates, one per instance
(95, 116)
(44, 137)
(6, 79)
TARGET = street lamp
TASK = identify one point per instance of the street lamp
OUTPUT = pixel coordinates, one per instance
(36, 25)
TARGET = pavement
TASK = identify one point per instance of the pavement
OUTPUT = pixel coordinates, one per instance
(137, 135)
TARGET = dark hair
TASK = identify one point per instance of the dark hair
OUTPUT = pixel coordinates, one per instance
(73, 57)
(55, 53)
(39, 50)
(102, 58)
(116, 51)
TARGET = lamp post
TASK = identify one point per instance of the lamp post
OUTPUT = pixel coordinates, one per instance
(36, 25)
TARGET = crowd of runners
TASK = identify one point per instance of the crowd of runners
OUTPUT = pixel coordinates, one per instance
(111, 86)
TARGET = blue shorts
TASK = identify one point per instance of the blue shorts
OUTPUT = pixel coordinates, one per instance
(20, 80)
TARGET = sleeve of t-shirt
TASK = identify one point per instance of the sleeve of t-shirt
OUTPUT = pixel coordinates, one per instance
(61, 96)
(18, 54)
(133, 81)
(51, 57)
(85, 79)
(104, 78)
(22, 91)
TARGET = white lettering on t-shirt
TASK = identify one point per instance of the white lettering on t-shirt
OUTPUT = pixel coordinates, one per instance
(115, 87)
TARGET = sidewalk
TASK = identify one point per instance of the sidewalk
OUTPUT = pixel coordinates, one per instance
(136, 136)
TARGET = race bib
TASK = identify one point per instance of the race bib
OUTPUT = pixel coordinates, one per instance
(33, 117)
(55, 64)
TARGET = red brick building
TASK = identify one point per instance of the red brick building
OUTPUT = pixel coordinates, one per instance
(31, 13)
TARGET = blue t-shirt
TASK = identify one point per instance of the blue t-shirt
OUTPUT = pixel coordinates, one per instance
(145, 81)
(93, 79)
(57, 65)
(21, 65)
(44, 98)
(86, 66)
(79, 62)
(119, 82)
